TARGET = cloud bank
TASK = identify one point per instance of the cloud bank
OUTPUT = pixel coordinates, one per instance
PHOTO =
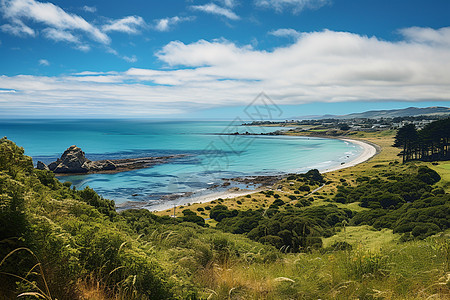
(325, 66)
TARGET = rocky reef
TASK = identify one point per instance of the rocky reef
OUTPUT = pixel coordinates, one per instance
(74, 160)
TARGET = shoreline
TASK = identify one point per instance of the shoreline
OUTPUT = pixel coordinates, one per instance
(369, 151)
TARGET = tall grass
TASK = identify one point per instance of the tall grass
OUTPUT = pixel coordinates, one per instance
(28, 282)
(412, 270)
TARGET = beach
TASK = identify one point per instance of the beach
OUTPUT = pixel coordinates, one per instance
(369, 151)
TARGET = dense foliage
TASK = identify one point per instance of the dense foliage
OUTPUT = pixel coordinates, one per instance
(291, 230)
(406, 202)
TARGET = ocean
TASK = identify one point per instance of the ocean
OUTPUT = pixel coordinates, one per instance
(212, 153)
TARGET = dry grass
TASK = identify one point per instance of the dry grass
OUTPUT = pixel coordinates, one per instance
(91, 290)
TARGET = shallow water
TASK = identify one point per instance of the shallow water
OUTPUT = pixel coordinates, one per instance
(211, 156)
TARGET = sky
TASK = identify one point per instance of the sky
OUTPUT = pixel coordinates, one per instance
(211, 59)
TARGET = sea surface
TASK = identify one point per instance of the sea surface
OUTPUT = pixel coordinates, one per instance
(212, 153)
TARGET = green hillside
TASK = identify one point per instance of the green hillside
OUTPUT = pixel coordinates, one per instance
(382, 235)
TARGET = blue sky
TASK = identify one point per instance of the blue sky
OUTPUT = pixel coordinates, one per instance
(210, 59)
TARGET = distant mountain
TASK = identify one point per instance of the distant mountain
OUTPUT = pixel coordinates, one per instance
(373, 114)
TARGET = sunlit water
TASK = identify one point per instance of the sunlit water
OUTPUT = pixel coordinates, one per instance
(210, 156)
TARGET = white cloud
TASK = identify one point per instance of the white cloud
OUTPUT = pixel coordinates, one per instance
(60, 26)
(65, 36)
(214, 9)
(295, 6)
(44, 62)
(427, 35)
(324, 66)
(286, 32)
(130, 24)
(201, 53)
(18, 28)
(60, 35)
(84, 48)
(131, 59)
(91, 9)
(166, 23)
(49, 15)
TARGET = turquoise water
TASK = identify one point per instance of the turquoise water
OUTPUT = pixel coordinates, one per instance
(210, 155)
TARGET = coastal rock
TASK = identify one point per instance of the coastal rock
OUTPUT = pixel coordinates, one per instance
(73, 160)
(52, 166)
(108, 165)
(41, 166)
(104, 165)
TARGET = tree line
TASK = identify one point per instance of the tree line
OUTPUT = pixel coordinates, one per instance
(428, 144)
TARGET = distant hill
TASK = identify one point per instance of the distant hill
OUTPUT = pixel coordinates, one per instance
(405, 112)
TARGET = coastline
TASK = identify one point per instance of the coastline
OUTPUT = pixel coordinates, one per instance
(369, 151)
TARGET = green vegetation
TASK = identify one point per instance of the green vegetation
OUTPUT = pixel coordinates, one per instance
(429, 144)
(406, 203)
(378, 233)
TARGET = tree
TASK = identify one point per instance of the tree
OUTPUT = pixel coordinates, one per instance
(430, 143)
(406, 137)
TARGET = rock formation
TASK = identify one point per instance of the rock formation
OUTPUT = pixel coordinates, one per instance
(74, 160)
(42, 166)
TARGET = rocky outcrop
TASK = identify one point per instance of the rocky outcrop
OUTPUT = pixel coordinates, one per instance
(41, 166)
(74, 160)
(103, 165)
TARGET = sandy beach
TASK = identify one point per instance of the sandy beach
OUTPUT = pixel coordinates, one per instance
(368, 152)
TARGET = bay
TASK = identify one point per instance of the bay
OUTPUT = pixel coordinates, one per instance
(213, 153)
